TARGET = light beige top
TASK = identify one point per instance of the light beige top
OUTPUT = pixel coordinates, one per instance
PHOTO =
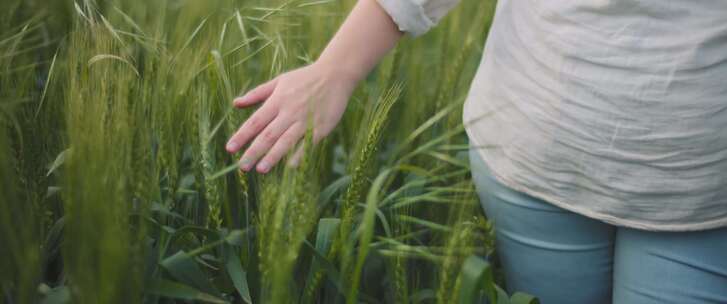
(614, 109)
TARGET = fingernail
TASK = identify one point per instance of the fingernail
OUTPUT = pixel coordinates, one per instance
(245, 164)
(241, 99)
(263, 167)
(232, 146)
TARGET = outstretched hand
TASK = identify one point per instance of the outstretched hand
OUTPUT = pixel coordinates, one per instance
(319, 91)
(281, 122)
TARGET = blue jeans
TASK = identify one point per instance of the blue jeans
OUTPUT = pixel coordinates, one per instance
(563, 257)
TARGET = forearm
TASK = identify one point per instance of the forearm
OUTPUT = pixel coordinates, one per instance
(366, 36)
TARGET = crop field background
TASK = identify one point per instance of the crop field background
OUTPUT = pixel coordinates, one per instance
(115, 186)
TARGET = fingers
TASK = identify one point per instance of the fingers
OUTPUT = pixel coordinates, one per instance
(294, 160)
(257, 94)
(263, 141)
(281, 147)
(253, 125)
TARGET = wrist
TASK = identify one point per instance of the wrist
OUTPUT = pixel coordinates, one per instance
(341, 73)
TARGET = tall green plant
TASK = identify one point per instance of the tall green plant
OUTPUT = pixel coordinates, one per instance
(113, 118)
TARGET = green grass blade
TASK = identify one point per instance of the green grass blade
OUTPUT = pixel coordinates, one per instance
(523, 298)
(47, 83)
(184, 269)
(174, 290)
(237, 274)
(476, 276)
(366, 232)
(58, 295)
(60, 159)
(225, 171)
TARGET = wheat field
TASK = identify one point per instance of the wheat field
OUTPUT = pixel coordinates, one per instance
(115, 186)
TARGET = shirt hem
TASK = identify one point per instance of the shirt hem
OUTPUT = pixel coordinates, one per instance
(609, 219)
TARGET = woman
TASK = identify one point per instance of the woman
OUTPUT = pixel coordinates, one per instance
(608, 180)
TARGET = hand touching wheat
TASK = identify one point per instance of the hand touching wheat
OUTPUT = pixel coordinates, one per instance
(321, 89)
(282, 120)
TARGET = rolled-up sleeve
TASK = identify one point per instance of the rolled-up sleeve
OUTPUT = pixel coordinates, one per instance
(416, 17)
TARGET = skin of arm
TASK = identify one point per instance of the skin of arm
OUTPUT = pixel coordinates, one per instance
(321, 89)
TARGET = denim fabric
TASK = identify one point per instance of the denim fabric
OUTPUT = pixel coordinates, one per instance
(563, 257)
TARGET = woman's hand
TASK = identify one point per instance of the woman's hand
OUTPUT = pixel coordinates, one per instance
(321, 90)
(281, 121)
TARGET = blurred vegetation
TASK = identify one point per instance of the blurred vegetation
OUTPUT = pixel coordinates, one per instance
(115, 186)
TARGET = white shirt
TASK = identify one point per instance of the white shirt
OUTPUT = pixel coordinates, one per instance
(616, 110)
